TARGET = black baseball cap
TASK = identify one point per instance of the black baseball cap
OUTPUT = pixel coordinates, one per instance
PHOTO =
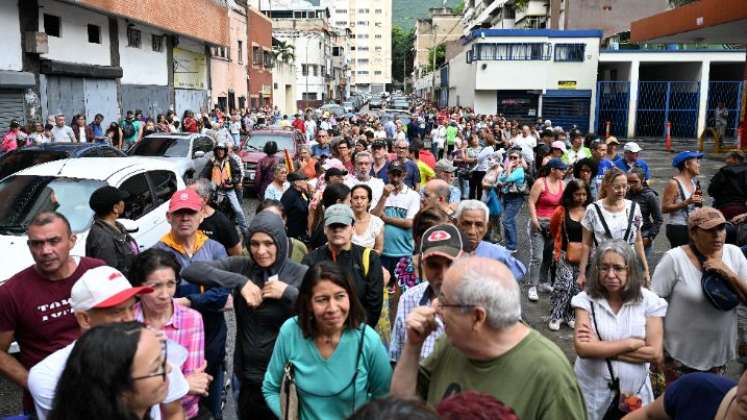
(443, 240)
(378, 144)
(297, 176)
(334, 171)
(396, 165)
(103, 199)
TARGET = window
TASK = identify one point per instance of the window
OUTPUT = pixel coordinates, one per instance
(362, 23)
(240, 52)
(140, 199)
(362, 61)
(362, 48)
(363, 11)
(336, 51)
(377, 73)
(133, 37)
(269, 60)
(377, 24)
(164, 185)
(377, 36)
(324, 71)
(94, 34)
(352, 48)
(341, 11)
(202, 144)
(52, 25)
(257, 56)
(378, 49)
(569, 52)
(157, 42)
(362, 72)
(341, 23)
(378, 11)
(309, 96)
(304, 70)
(511, 52)
(315, 70)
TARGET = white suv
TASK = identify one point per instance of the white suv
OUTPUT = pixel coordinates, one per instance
(66, 186)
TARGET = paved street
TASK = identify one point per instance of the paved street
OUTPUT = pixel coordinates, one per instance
(535, 313)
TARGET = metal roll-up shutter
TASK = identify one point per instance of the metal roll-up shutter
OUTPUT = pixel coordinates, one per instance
(567, 108)
(11, 108)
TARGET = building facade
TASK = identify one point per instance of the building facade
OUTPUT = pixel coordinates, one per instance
(228, 65)
(98, 56)
(370, 23)
(262, 59)
(284, 78)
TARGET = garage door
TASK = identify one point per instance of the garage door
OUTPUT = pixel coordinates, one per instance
(567, 108)
(518, 105)
(11, 108)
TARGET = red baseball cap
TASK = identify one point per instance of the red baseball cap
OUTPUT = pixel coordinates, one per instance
(185, 199)
(102, 287)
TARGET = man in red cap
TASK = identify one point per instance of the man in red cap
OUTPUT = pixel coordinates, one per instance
(102, 296)
(188, 244)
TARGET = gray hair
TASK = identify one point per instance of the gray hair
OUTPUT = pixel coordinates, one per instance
(363, 153)
(401, 142)
(304, 147)
(634, 279)
(500, 297)
(466, 205)
(204, 188)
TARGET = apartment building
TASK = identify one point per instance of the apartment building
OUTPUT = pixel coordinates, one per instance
(443, 26)
(228, 65)
(370, 23)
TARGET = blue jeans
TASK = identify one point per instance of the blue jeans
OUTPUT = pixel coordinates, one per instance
(238, 211)
(512, 205)
(214, 400)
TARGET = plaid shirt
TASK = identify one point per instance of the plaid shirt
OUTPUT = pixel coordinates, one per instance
(412, 298)
(185, 327)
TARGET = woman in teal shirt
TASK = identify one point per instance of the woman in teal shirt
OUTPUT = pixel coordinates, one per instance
(339, 362)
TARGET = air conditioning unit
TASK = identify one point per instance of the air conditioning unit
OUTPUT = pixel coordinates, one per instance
(36, 43)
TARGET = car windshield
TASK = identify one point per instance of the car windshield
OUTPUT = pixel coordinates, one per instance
(24, 196)
(256, 142)
(161, 146)
(14, 162)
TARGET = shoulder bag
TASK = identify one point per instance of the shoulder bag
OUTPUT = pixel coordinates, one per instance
(290, 392)
(607, 231)
(716, 289)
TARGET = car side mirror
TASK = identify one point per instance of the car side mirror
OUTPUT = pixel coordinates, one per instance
(129, 225)
(199, 154)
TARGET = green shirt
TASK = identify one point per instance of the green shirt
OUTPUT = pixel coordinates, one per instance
(451, 135)
(136, 124)
(534, 378)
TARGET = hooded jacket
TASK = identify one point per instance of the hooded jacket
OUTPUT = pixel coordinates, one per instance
(650, 210)
(257, 328)
(729, 186)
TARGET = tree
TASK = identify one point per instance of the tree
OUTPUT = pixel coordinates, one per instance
(402, 53)
(440, 52)
(459, 8)
(284, 51)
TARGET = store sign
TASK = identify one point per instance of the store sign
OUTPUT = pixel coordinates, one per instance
(190, 69)
(566, 84)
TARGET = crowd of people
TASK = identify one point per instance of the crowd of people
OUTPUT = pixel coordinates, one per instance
(379, 279)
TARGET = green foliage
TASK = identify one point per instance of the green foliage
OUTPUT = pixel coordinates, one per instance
(406, 12)
(440, 52)
(402, 54)
(521, 4)
(459, 8)
(284, 51)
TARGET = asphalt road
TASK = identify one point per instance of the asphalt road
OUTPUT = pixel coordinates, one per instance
(535, 313)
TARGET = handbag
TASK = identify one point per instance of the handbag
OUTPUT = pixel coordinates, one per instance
(574, 250)
(495, 207)
(613, 411)
(290, 391)
(716, 289)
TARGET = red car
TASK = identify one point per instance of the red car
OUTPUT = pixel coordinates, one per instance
(252, 148)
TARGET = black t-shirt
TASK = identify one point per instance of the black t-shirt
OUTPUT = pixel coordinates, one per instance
(218, 228)
(696, 396)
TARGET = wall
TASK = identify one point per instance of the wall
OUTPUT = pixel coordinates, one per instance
(622, 71)
(686, 71)
(190, 65)
(10, 33)
(72, 45)
(207, 21)
(260, 34)
(486, 102)
(143, 66)
(610, 17)
(462, 80)
(229, 74)
(284, 87)
(151, 99)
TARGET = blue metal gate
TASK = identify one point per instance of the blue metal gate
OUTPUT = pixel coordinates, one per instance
(567, 108)
(613, 99)
(730, 93)
(659, 102)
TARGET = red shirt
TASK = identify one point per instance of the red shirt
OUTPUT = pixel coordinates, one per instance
(38, 311)
(427, 157)
(299, 125)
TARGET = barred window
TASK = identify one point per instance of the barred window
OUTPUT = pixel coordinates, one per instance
(570, 52)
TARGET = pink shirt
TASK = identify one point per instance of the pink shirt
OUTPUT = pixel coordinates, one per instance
(185, 327)
(10, 142)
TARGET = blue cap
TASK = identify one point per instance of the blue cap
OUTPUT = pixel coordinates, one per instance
(683, 156)
(557, 163)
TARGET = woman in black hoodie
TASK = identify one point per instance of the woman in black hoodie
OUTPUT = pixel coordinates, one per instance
(265, 287)
(648, 200)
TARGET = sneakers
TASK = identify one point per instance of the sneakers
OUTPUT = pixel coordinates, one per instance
(554, 325)
(532, 294)
(545, 287)
(571, 324)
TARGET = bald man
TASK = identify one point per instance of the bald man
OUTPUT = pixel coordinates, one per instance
(486, 348)
(436, 193)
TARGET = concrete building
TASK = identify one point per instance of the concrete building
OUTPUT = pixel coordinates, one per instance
(371, 53)
(341, 64)
(441, 27)
(260, 68)
(306, 27)
(526, 74)
(98, 56)
(284, 81)
(228, 65)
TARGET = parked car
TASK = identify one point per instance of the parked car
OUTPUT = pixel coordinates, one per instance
(252, 149)
(375, 103)
(349, 106)
(66, 186)
(335, 109)
(25, 157)
(188, 151)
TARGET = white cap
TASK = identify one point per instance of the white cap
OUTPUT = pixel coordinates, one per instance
(632, 146)
(102, 287)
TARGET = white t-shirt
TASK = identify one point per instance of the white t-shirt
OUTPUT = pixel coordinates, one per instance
(376, 185)
(368, 238)
(617, 222)
(63, 134)
(43, 378)
(527, 145)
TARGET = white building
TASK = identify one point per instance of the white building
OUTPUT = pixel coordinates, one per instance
(284, 85)
(527, 74)
(306, 27)
(16, 85)
(371, 53)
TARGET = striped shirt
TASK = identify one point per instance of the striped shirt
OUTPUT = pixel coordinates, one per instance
(185, 327)
(412, 298)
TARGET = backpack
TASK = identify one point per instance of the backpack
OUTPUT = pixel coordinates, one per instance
(128, 129)
(366, 260)
(607, 232)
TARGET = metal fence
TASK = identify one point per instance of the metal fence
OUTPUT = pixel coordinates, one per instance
(612, 105)
(659, 102)
(730, 93)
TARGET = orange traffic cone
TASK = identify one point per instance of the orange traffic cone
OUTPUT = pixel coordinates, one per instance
(668, 138)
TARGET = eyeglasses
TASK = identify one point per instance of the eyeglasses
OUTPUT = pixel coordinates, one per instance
(163, 370)
(617, 269)
(442, 302)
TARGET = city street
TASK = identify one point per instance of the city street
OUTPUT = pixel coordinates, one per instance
(535, 313)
